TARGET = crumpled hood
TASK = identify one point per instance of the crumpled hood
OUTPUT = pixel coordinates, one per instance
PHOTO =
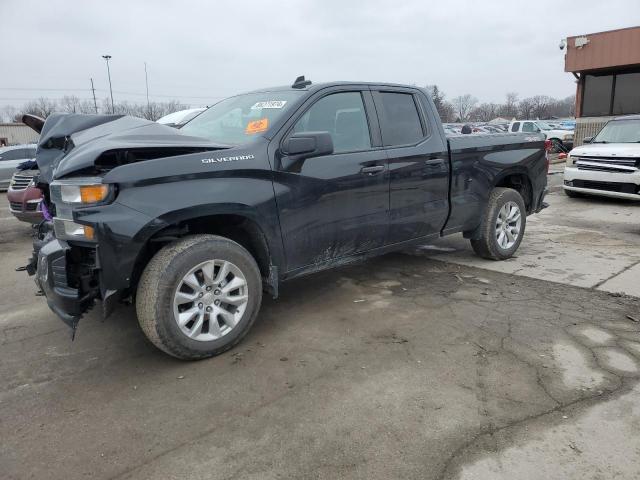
(71, 142)
(622, 150)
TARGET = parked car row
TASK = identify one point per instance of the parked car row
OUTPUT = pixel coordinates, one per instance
(561, 139)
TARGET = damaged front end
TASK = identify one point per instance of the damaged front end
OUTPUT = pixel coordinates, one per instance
(77, 238)
(66, 276)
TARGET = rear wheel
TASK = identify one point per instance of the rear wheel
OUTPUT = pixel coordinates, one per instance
(503, 224)
(199, 296)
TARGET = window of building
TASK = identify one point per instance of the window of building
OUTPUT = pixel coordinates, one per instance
(611, 94)
(596, 99)
(626, 98)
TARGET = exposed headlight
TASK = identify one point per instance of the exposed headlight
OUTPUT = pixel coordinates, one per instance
(80, 191)
(69, 230)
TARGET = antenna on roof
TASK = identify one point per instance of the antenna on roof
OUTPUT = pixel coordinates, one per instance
(301, 82)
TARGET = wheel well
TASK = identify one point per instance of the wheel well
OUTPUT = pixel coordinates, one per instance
(522, 185)
(234, 227)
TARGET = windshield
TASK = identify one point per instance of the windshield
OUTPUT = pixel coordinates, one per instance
(619, 131)
(237, 120)
(544, 126)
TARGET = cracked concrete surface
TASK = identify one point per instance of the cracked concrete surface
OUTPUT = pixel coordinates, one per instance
(403, 367)
(586, 242)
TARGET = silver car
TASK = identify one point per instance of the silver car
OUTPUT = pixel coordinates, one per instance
(10, 158)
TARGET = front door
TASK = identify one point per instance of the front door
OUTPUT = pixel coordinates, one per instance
(335, 205)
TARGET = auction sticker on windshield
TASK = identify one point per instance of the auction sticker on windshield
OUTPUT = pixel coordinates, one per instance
(257, 126)
(269, 104)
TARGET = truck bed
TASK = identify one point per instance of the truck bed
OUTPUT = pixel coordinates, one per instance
(480, 161)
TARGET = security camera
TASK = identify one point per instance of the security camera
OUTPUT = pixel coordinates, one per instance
(563, 43)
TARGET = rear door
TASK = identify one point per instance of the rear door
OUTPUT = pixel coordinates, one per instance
(418, 163)
(335, 205)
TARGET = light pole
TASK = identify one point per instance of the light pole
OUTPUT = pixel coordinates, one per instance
(146, 81)
(107, 57)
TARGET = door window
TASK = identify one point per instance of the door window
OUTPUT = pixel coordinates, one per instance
(400, 119)
(515, 126)
(528, 127)
(343, 116)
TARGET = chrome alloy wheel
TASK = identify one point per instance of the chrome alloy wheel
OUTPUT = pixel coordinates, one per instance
(210, 300)
(508, 225)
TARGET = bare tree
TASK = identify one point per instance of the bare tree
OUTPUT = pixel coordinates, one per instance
(42, 107)
(463, 106)
(153, 111)
(510, 107)
(484, 112)
(525, 108)
(10, 114)
(444, 108)
(541, 104)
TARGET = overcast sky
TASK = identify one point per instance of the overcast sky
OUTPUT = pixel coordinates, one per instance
(200, 51)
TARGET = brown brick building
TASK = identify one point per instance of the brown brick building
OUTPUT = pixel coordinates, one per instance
(607, 70)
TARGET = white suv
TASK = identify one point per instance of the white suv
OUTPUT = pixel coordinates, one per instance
(607, 164)
(561, 140)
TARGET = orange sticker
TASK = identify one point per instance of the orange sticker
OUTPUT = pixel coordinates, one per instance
(257, 126)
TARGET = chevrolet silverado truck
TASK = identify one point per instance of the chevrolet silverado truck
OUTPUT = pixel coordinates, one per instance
(193, 225)
(608, 164)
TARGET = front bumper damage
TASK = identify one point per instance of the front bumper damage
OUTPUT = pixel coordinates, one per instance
(68, 279)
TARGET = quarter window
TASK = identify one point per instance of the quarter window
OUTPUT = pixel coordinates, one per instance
(343, 116)
(400, 119)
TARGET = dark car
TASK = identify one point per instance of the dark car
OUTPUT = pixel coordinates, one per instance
(194, 224)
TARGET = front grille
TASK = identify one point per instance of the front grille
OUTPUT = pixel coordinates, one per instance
(15, 206)
(20, 181)
(612, 165)
(628, 162)
(606, 186)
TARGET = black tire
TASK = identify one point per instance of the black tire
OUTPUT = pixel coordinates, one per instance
(487, 245)
(163, 274)
(572, 194)
(557, 146)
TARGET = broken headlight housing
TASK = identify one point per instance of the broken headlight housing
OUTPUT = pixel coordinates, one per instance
(77, 192)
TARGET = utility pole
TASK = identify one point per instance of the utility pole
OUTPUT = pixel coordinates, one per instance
(95, 104)
(146, 81)
(107, 57)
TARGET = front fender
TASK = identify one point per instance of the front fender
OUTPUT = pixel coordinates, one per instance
(140, 211)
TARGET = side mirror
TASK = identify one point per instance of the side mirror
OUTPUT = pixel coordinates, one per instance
(308, 144)
(587, 139)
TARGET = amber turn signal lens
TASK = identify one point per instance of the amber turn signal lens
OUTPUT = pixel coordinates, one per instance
(89, 232)
(93, 193)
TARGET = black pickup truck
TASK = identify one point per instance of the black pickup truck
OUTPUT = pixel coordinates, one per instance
(193, 225)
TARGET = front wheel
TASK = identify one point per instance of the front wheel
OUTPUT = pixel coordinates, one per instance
(503, 223)
(199, 296)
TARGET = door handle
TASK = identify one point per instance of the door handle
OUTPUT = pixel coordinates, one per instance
(436, 162)
(372, 170)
